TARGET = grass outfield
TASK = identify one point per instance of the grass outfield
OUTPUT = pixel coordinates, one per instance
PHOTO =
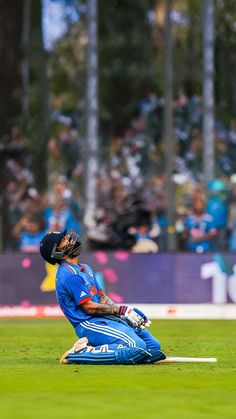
(33, 385)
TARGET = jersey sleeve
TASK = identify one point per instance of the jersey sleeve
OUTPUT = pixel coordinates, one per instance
(78, 290)
(96, 282)
(98, 286)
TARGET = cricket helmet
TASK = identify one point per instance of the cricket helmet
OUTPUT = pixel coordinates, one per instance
(49, 246)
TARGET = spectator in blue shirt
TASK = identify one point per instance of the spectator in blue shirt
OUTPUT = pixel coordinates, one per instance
(200, 229)
(59, 217)
(29, 232)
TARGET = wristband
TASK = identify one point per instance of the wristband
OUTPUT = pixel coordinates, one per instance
(122, 310)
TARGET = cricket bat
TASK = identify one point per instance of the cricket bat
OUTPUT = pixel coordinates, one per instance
(186, 359)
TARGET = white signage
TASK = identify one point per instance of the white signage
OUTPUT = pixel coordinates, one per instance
(222, 284)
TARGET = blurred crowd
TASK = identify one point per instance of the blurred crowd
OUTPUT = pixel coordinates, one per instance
(131, 198)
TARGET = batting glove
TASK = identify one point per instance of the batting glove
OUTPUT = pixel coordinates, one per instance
(134, 317)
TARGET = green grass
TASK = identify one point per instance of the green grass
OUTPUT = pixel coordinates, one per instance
(34, 386)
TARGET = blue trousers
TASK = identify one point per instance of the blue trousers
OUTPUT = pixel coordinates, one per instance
(115, 331)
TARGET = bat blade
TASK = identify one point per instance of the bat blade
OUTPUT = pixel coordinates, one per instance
(186, 359)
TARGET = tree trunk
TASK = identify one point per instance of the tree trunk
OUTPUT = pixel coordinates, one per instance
(168, 130)
(25, 66)
(39, 116)
(92, 114)
(208, 91)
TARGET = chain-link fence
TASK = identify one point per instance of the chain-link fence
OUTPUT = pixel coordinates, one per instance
(43, 148)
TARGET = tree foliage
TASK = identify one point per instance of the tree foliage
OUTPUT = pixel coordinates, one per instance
(67, 69)
(130, 59)
(126, 65)
(187, 42)
(10, 54)
(225, 59)
(126, 58)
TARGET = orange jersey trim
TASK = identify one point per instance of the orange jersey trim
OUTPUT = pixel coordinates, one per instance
(84, 300)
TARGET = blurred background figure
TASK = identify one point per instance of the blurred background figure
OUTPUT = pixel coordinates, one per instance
(100, 236)
(144, 233)
(59, 217)
(29, 232)
(217, 207)
(200, 229)
(231, 225)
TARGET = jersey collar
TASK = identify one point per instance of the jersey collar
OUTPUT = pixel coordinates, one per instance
(73, 266)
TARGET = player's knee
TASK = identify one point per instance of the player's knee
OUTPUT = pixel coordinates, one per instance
(140, 343)
(157, 346)
(154, 344)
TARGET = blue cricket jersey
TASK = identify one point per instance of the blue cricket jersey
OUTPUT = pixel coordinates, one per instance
(76, 284)
(199, 226)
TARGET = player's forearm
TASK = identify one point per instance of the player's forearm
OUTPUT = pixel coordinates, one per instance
(96, 309)
(103, 309)
(104, 299)
(133, 316)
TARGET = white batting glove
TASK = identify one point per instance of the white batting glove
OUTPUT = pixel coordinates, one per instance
(134, 317)
(145, 325)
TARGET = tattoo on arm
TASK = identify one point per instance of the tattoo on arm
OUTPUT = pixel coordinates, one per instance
(104, 299)
(106, 309)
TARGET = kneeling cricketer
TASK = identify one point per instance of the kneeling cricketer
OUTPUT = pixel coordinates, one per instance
(108, 333)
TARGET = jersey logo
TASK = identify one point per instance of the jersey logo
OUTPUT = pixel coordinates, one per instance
(82, 294)
(92, 290)
(90, 274)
